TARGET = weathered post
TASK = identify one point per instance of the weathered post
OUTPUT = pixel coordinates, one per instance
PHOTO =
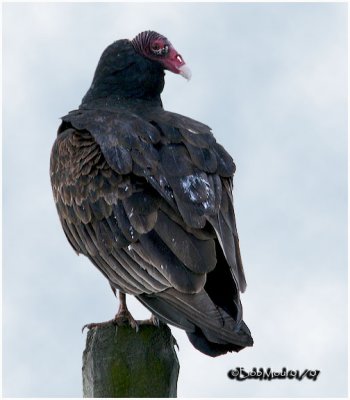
(120, 362)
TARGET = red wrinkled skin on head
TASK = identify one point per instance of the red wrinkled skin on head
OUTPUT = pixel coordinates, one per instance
(152, 45)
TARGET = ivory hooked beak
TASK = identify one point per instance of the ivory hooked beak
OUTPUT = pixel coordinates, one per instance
(185, 72)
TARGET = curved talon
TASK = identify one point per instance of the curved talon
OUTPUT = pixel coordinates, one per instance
(175, 344)
(155, 321)
(96, 324)
(135, 325)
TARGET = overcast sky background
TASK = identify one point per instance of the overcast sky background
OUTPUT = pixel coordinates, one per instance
(271, 81)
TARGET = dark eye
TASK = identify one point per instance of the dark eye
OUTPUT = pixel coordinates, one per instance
(158, 50)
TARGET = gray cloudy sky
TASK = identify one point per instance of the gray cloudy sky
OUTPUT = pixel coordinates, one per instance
(271, 80)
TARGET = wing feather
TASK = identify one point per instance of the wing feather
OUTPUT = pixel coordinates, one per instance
(197, 255)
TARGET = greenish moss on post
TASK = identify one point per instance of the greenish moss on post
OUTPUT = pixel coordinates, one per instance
(120, 362)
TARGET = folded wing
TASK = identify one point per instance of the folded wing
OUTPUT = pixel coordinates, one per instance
(149, 201)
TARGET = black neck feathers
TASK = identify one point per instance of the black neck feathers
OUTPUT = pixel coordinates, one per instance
(123, 75)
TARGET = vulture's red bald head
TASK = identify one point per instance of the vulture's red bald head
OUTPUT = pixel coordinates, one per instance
(157, 47)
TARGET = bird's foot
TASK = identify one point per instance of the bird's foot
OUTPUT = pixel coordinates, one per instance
(122, 318)
(153, 320)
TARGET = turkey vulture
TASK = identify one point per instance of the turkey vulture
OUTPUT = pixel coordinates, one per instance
(146, 195)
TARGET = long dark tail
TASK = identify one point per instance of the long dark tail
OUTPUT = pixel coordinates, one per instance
(201, 343)
(209, 327)
(212, 318)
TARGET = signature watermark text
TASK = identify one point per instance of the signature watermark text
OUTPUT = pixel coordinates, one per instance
(262, 374)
